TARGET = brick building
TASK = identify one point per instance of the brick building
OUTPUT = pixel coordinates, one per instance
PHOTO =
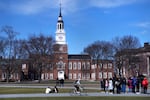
(134, 62)
(61, 64)
(74, 66)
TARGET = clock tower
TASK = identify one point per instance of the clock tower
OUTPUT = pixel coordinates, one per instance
(60, 50)
(60, 32)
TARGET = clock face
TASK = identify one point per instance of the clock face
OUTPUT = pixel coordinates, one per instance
(60, 37)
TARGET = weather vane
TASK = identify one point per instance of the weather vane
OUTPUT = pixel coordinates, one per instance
(60, 3)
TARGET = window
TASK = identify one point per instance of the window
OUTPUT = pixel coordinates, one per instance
(88, 75)
(100, 65)
(74, 65)
(93, 67)
(50, 66)
(105, 66)
(70, 65)
(100, 74)
(24, 66)
(42, 76)
(60, 65)
(70, 75)
(88, 65)
(83, 65)
(79, 75)
(74, 76)
(93, 75)
(51, 75)
(109, 74)
(110, 65)
(79, 65)
(46, 76)
(105, 74)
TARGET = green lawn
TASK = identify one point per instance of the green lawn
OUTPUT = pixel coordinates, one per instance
(14, 90)
(81, 98)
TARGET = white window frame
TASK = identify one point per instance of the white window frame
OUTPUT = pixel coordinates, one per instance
(74, 66)
(79, 65)
(109, 65)
(105, 75)
(74, 76)
(109, 74)
(70, 65)
(100, 74)
(70, 75)
(51, 75)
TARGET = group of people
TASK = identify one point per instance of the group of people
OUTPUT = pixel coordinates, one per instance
(114, 85)
(120, 84)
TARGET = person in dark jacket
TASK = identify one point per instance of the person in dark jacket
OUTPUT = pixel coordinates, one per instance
(118, 85)
(138, 85)
(123, 83)
(133, 84)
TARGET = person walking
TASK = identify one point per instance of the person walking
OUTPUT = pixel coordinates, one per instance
(110, 86)
(129, 84)
(114, 85)
(102, 84)
(123, 83)
(118, 85)
(138, 85)
(133, 84)
(145, 85)
(106, 86)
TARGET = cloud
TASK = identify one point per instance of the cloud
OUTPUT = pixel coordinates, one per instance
(143, 24)
(29, 7)
(33, 6)
(110, 3)
(144, 32)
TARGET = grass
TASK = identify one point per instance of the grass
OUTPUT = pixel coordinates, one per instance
(17, 90)
(80, 98)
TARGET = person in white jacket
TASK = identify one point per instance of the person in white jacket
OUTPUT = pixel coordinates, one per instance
(48, 90)
(110, 85)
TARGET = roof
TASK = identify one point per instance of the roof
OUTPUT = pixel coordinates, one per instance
(144, 49)
(79, 56)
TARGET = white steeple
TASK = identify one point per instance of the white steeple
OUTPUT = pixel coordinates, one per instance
(60, 32)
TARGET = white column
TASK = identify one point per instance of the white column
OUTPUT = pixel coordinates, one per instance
(148, 66)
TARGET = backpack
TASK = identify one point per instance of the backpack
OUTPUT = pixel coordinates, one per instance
(144, 82)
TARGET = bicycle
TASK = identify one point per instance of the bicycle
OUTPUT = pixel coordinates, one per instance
(81, 92)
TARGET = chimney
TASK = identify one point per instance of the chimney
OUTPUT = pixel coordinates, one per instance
(146, 44)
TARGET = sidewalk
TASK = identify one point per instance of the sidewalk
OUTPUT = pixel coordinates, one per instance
(68, 95)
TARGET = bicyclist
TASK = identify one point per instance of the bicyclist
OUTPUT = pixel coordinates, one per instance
(77, 86)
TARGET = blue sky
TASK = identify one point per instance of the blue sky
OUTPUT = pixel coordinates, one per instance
(86, 21)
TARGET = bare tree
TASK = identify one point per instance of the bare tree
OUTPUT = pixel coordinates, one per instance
(123, 46)
(9, 36)
(38, 48)
(100, 50)
(2, 46)
(126, 42)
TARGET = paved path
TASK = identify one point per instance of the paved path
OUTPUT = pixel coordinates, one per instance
(67, 95)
